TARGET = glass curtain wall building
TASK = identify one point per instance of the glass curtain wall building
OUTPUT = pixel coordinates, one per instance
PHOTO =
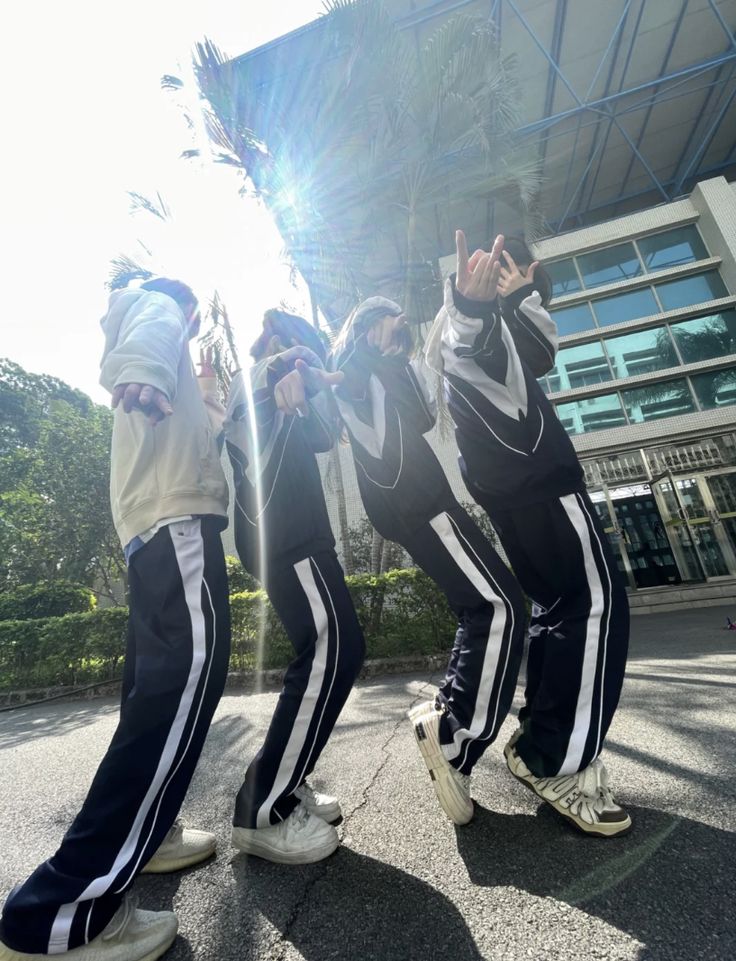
(645, 380)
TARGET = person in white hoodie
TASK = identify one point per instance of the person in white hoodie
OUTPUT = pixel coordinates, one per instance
(169, 503)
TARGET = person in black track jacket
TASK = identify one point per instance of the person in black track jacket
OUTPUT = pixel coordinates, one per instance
(279, 415)
(491, 340)
(386, 409)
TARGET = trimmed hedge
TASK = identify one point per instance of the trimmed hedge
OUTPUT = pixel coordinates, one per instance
(402, 612)
(45, 600)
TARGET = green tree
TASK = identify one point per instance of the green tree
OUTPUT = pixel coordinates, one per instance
(55, 521)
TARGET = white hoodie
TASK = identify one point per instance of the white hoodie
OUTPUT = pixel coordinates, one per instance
(172, 469)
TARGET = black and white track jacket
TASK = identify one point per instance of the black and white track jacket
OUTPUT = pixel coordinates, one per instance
(513, 448)
(386, 409)
(280, 511)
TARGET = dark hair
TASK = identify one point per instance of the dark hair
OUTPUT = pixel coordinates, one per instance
(178, 291)
(290, 327)
(516, 248)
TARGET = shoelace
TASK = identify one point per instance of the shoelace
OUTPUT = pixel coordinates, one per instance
(297, 820)
(585, 793)
(306, 792)
(122, 917)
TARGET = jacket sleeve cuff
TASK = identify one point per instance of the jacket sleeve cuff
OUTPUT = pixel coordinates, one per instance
(514, 300)
(479, 309)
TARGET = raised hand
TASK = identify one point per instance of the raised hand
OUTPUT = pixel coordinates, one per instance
(477, 276)
(206, 368)
(292, 392)
(144, 397)
(385, 334)
(512, 278)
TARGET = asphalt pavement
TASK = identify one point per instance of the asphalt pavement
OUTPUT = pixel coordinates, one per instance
(517, 883)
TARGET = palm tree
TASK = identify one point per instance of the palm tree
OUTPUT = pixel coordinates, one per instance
(375, 137)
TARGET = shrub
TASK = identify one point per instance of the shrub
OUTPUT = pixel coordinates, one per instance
(45, 600)
(71, 650)
(402, 612)
(238, 578)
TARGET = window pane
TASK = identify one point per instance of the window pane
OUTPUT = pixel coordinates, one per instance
(571, 319)
(609, 265)
(671, 248)
(629, 306)
(564, 277)
(706, 337)
(593, 413)
(642, 352)
(579, 366)
(658, 400)
(716, 388)
(691, 290)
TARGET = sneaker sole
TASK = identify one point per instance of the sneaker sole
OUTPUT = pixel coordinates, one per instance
(260, 849)
(8, 954)
(607, 829)
(162, 865)
(439, 769)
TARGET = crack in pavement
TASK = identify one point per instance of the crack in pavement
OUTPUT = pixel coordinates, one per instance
(280, 944)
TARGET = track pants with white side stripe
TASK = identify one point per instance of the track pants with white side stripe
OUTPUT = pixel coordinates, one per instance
(317, 612)
(481, 677)
(579, 632)
(176, 665)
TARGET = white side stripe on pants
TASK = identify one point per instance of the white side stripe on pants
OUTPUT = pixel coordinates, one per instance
(190, 557)
(298, 736)
(594, 633)
(444, 529)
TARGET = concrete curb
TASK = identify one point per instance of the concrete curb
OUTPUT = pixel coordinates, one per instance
(246, 681)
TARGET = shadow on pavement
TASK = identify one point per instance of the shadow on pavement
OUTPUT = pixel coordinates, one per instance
(665, 883)
(28, 723)
(354, 906)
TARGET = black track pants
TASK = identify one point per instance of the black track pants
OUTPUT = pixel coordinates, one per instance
(178, 653)
(579, 631)
(317, 611)
(481, 676)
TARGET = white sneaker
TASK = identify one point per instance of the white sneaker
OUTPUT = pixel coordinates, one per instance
(181, 848)
(132, 935)
(301, 839)
(451, 787)
(585, 799)
(323, 805)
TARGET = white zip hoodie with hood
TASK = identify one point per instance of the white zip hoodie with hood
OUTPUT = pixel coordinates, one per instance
(173, 469)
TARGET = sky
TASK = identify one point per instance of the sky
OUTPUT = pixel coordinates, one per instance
(86, 121)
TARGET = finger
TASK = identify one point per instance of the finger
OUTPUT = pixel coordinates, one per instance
(146, 396)
(161, 401)
(117, 395)
(130, 397)
(370, 337)
(297, 397)
(509, 259)
(530, 272)
(387, 335)
(462, 254)
(278, 396)
(155, 417)
(332, 377)
(493, 280)
(497, 247)
(506, 274)
(473, 262)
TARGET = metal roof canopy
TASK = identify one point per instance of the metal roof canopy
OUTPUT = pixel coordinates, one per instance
(628, 102)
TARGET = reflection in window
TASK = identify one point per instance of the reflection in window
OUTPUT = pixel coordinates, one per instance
(628, 306)
(642, 352)
(717, 388)
(664, 399)
(609, 265)
(706, 337)
(564, 277)
(592, 413)
(672, 248)
(691, 290)
(569, 320)
(580, 366)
